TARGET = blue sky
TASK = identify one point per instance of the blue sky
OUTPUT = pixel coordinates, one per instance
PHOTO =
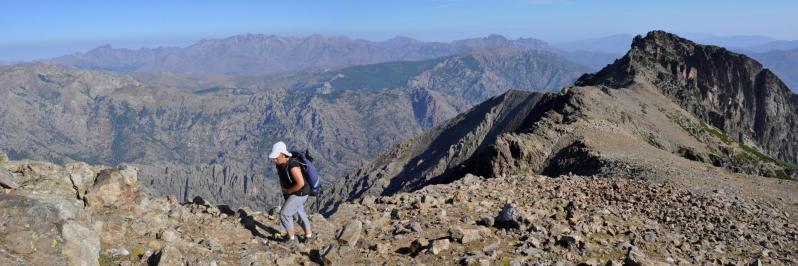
(41, 29)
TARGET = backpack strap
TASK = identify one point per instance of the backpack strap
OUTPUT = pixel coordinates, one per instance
(304, 176)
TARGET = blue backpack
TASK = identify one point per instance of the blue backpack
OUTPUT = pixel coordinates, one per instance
(311, 175)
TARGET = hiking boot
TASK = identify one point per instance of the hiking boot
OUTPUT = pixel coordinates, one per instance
(310, 238)
(291, 242)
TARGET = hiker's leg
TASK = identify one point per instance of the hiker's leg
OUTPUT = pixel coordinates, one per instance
(304, 216)
(287, 215)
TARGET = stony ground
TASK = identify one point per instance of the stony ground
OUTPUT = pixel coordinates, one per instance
(90, 215)
(571, 219)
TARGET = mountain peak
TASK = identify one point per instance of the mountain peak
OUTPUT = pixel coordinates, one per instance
(727, 90)
(670, 55)
(104, 47)
(402, 40)
(658, 36)
(496, 37)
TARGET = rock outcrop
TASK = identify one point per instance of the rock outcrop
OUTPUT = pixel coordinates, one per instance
(729, 91)
(430, 157)
(44, 219)
(114, 187)
(632, 123)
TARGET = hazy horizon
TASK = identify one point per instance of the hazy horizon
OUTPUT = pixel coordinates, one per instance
(42, 30)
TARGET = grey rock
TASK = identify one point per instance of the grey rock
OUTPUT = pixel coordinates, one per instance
(82, 177)
(7, 179)
(82, 245)
(350, 233)
(529, 251)
(464, 235)
(419, 245)
(168, 235)
(491, 246)
(486, 221)
(170, 255)
(114, 187)
(416, 227)
(115, 252)
(568, 241)
(58, 238)
(211, 244)
(511, 217)
(329, 254)
(635, 257)
(439, 245)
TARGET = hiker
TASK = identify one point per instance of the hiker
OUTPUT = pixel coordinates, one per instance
(295, 190)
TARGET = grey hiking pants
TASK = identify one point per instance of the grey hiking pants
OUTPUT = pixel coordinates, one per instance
(294, 205)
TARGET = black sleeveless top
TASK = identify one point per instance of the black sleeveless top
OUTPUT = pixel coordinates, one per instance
(284, 172)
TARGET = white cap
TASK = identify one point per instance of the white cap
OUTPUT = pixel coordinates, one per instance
(278, 148)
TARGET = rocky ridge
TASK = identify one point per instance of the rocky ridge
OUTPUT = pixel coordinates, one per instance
(729, 91)
(625, 125)
(79, 214)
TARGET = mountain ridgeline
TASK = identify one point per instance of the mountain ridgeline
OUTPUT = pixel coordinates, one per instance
(255, 54)
(660, 112)
(730, 91)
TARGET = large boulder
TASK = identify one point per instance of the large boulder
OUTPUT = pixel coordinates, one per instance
(464, 235)
(82, 176)
(511, 217)
(8, 179)
(350, 233)
(114, 188)
(41, 233)
(42, 180)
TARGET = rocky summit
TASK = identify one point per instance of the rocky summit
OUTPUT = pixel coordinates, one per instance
(78, 214)
(722, 115)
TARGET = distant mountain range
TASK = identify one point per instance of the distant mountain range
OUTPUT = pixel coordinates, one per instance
(212, 141)
(774, 45)
(208, 62)
(256, 54)
(783, 62)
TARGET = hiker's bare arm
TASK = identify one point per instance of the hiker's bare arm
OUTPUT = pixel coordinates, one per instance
(299, 180)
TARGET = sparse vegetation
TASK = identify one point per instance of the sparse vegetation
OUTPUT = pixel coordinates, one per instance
(209, 90)
(747, 155)
(379, 76)
(780, 174)
(652, 140)
(765, 158)
(717, 133)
